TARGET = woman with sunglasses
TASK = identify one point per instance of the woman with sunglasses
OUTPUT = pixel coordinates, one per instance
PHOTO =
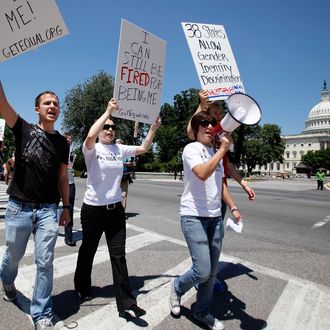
(102, 210)
(200, 215)
(216, 110)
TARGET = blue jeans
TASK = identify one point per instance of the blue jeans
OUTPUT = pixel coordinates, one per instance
(204, 238)
(22, 219)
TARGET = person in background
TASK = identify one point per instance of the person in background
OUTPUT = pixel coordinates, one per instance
(320, 177)
(102, 210)
(9, 167)
(68, 235)
(200, 215)
(126, 179)
(39, 182)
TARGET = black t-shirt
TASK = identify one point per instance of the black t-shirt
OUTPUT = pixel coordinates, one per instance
(37, 158)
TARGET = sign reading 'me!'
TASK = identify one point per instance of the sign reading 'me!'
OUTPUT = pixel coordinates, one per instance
(28, 24)
(139, 74)
(214, 60)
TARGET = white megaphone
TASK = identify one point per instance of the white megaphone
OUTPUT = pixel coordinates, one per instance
(242, 110)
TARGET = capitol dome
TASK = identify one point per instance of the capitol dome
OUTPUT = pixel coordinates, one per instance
(318, 120)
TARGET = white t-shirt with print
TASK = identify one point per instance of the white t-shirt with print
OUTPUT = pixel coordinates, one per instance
(105, 169)
(200, 198)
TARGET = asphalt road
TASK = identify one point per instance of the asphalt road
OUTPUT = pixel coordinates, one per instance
(277, 269)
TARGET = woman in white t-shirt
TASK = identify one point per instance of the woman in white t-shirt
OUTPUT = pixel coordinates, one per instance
(200, 214)
(102, 210)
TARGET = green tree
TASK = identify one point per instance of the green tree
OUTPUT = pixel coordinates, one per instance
(244, 152)
(172, 137)
(9, 143)
(273, 145)
(262, 145)
(317, 159)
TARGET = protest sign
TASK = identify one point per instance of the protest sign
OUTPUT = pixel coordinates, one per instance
(214, 59)
(139, 74)
(26, 25)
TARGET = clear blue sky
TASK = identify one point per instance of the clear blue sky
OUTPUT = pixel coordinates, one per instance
(281, 47)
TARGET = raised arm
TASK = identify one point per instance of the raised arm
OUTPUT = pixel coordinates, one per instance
(203, 97)
(146, 145)
(6, 110)
(98, 125)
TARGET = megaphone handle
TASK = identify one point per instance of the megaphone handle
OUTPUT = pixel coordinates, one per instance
(231, 146)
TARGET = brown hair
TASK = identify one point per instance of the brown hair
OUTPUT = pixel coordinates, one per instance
(37, 99)
(197, 118)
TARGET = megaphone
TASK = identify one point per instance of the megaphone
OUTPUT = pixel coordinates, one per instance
(242, 110)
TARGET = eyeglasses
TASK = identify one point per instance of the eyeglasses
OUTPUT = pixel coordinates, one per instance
(107, 126)
(205, 123)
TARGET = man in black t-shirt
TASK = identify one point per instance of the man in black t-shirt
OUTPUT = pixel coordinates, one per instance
(40, 181)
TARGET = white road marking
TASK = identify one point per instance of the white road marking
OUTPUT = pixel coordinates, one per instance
(322, 222)
(155, 302)
(66, 265)
(302, 304)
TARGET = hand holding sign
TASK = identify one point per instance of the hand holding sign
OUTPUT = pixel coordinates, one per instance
(157, 123)
(112, 106)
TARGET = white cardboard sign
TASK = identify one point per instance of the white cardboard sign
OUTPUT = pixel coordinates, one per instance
(28, 24)
(214, 60)
(139, 74)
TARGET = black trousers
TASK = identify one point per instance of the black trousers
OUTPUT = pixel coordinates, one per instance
(95, 221)
(319, 184)
(68, 227)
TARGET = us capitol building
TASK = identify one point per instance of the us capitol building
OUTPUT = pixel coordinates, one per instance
(315, 136)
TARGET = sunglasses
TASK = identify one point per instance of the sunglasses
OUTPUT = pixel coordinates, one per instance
(205, 123)
(107, 126)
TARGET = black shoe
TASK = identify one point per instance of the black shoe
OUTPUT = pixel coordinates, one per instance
(137, 310)
(126, 315)
(70, 243)
(84, 297)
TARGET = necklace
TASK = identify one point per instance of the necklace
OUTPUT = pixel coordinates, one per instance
(52, 131)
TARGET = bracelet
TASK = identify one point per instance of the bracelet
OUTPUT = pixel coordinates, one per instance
(66, 207)
(234, 208)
